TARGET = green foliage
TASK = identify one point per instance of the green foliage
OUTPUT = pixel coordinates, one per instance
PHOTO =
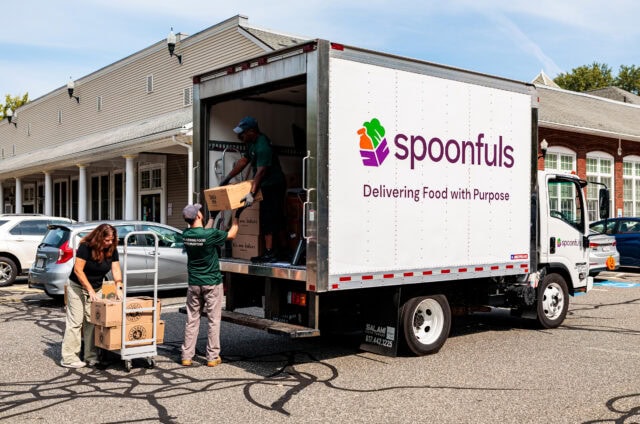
(598, 75)
(12, 102)
(586, 77)
(628, 78)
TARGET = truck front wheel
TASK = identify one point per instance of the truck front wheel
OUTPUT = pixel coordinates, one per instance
(426, 322)
(553, 301)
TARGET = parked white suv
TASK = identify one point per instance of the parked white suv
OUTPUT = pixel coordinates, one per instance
(20, 235)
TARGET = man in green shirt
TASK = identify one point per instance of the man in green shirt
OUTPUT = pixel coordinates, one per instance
(205, 281)
(268, 177)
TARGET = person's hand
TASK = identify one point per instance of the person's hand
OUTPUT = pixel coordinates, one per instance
(225, 181)
(239, 211)
(213, 214)
(93, 296)
(248, 200)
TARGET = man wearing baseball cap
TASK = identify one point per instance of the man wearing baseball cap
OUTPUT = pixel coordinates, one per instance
(268, 177)
(205, 281)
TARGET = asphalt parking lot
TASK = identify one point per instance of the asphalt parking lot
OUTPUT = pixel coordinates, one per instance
(492, 369)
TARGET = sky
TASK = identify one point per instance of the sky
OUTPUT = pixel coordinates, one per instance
(45, 43)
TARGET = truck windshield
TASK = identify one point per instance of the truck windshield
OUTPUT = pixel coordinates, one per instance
(565, 202)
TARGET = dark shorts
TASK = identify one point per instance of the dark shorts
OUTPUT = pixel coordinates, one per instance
(272, 209)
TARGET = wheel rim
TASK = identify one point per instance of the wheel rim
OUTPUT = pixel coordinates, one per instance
(553, 301)
(428, 321)
(5, 272)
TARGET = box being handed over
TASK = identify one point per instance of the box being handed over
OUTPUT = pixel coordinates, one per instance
(229, 196)
(108, 313)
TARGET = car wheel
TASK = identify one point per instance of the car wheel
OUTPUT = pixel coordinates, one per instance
(8, 271)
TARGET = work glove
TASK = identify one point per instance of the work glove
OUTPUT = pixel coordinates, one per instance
(225, 181)
(239, 211)
(248, 200)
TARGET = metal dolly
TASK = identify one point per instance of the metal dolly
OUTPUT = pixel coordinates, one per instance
(131, 349)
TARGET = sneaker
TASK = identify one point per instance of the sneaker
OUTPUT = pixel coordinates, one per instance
(93, 363)
(269, 256)
(186, 362)
(215, 362)
(76, 364)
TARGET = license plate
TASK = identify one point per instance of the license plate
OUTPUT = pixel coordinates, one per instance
(606, 248)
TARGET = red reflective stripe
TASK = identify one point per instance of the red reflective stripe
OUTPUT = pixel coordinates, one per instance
(335, 286)
(387, 276)
(312, 287)
(427, 272)
(524, 265)
(445, 271)
(493, 268)
(509, 266)
(408, 274)
(337, 46)
(345, 279)
(479, 268)
(367, 277)
(462, 270)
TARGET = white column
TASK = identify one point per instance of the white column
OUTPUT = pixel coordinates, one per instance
(48, 194)
(18, 196)
(190, 199)
(82, 193)
(130, 188)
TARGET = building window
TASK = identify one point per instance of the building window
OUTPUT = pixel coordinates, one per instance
(99, 103)
(599, 170)
(99, 197)
(151, 178)
(560, 196)
(631, 186)
(60, 198)
(187, 96)
(118, 195)
(149, 83)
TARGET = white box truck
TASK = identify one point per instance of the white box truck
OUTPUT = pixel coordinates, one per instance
(415, 188)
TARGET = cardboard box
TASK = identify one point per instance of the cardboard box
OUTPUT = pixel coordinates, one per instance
(110, 338)
(229, 196)
(108, 313)
(109, 290)
(249, 222)
(246, 246)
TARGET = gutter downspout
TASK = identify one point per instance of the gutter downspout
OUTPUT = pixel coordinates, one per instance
(189, 147)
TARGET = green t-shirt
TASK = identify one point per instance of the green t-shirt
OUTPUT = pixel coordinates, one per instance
(261, 153)
(202, 257)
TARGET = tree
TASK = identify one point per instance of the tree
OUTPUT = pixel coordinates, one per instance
(628, 78)
(12, 102)
(586, 77)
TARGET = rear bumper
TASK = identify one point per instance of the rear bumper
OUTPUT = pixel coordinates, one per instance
(51, 283)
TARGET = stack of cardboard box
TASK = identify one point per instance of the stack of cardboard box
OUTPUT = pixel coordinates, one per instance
(247, 243)
(106, 315)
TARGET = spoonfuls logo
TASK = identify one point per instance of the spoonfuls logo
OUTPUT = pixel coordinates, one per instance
(373, 145)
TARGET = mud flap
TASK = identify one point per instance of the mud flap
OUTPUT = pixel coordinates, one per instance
(382, 330)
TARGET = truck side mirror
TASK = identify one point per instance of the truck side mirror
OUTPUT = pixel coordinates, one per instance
(603, 200)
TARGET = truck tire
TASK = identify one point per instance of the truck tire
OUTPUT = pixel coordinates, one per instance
(426, 322)
(8, 271)
(553, 301)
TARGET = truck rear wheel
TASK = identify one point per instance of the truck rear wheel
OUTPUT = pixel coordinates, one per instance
(553, 301)
(426, 322)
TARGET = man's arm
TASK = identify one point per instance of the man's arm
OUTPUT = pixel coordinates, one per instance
(240, 165)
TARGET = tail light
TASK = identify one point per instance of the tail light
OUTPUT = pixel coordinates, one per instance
(64, 253)
(294, 298)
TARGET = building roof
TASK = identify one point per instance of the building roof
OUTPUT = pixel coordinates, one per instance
(616, 93)
(544, 79)
(587, 114)
(273, 39)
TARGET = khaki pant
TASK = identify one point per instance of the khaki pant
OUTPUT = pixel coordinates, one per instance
(209, 300)
(77, 325)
